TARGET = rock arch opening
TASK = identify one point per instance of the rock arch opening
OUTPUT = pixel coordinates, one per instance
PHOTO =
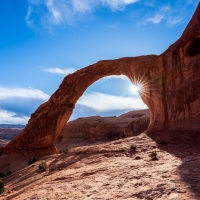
(114, 112)
(108, 96)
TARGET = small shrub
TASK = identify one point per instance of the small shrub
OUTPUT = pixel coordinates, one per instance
(43, 166)
(9, 173)
(133, 147)
(137, 157)
(153, 155)
(2, 189)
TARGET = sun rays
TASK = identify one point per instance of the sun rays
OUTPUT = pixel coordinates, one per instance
(142, 86)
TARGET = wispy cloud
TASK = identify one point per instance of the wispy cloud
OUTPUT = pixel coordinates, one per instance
(158, 16)
(111, 26)
(16, 104)
(7, 117)
(172, 12)
(173, 20)
(28, 19)
(61, 71)
(104, 102)
(25, 93)
(117, 4)
(59, 12)
(122, 77)
(155, 19)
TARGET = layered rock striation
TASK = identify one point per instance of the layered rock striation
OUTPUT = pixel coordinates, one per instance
(170, 88)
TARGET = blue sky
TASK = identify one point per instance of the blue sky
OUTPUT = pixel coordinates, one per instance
(41, 41)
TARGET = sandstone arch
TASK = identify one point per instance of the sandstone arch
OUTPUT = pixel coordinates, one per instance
(172, 92)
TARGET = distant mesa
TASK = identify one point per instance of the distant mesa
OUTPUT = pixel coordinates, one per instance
(12, 126)
(9, 132)
(170, 88)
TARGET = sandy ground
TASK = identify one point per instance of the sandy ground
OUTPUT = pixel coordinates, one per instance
(110, 171)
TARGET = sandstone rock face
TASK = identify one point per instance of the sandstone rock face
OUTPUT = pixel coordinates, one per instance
(95, 128)
(171, 90)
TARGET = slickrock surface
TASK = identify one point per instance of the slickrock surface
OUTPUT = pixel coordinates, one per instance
(88, 130)
(110, 171)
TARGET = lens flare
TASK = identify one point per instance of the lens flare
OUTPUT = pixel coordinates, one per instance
(142, 85)
(135, 89)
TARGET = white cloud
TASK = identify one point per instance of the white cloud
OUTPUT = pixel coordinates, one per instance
(171, 14)
(157, 18)
(117, 4)
(111, 26)
(60, 71)
(83, 5)
(104, 102)
(54, 11)
(7, 117)
(174, 20)
(122, 77)
(59, 12)
(16, 104)
(24, 93)
(28, 16)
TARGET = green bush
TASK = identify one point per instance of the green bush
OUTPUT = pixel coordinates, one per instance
(133, 147)
(43, 166)
(2, 189)
(153, 155)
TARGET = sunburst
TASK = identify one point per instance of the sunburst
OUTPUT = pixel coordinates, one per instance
(142, 86)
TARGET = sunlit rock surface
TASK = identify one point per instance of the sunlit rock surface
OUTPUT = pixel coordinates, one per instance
(88, 130)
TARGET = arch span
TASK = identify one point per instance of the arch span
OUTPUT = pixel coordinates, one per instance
(171, 90)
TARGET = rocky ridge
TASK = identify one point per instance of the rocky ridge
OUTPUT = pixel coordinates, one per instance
(95, 128)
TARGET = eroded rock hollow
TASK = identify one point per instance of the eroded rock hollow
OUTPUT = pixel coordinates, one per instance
(171, 90)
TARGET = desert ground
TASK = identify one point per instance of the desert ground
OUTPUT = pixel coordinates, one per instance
(111, 170)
